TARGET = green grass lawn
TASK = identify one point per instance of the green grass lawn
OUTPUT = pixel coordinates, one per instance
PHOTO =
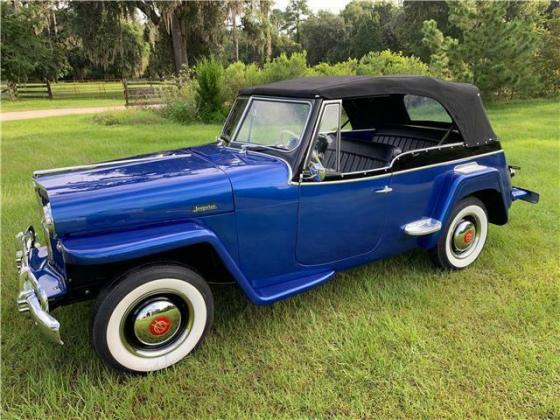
(393, 339)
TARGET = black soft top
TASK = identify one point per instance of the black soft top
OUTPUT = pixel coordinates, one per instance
(461, 100)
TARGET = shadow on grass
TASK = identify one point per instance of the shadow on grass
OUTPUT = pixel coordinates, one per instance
(237, 322)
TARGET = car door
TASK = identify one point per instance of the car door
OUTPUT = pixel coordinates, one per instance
(340, 219)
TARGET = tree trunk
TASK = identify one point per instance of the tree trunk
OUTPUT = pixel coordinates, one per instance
(269, 49)
(234, 33)
(179, 49)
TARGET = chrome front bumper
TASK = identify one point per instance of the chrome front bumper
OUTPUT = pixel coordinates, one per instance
(32, 297)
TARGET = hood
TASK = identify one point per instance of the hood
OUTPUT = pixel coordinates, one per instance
(150, 189)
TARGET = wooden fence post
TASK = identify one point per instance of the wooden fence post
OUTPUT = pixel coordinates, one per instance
(49, 90)
(125, 85)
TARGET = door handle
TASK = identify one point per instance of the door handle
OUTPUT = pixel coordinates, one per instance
(386, 189)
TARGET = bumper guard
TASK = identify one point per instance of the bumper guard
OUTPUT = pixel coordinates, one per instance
(32, 298)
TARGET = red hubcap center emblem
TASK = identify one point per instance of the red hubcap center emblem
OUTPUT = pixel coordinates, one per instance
(469, 237)
(160, 325)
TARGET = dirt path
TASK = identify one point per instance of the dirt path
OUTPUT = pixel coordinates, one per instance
(43, 113)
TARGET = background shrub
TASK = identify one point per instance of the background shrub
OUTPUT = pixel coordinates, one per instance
(284, 67)
(234, 79)
(388, 62)
(180, 104)
(344, 68)
(210, 90)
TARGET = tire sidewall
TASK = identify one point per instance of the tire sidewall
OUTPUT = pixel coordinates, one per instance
(113, 305)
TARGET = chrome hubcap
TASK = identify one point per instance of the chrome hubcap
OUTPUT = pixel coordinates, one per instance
(157, 322)
(465, 237)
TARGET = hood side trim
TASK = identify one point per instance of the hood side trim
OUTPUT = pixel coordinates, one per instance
(58, 171)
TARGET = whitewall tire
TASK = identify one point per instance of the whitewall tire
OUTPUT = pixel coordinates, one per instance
(152, 318)
(464, 235)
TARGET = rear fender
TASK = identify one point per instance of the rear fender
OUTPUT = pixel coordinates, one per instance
(123, 246)
(461, 182)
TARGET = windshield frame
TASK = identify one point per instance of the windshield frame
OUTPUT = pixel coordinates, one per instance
(253, 98)
(230, 116)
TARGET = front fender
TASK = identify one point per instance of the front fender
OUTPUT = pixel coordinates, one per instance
(122, 246)
(455, 185)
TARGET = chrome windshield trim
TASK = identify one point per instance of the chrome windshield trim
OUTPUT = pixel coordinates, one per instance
(290, 171)
(230, 115)
(316, 127)
(272, 99)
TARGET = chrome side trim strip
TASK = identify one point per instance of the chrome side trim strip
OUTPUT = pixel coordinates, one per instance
(427, 149)
(422, 227)
(404, 171)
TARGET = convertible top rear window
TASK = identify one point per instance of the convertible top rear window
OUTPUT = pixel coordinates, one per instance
(422, 108)
(395, 110)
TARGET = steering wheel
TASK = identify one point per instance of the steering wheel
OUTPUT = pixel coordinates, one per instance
(287, 138)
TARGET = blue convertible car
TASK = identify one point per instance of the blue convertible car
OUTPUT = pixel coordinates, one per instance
(308, 177)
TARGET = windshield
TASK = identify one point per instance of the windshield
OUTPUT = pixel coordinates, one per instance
(271, 123)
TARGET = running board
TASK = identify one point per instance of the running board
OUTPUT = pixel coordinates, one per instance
(422, 227)
(283, 290)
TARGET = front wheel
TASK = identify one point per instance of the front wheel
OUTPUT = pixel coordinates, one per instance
(464, 236)
(152, 318)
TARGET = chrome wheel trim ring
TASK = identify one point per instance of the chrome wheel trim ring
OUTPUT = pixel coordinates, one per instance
(177, 332)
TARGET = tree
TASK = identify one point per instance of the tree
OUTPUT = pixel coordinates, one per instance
(281, 41)
(326, 33)
(187, 29)
(31, 46)
(369, 26)
(234, 8)
(109, 36)
(296, 12)
(497, 48)
(547, 61)
(445, 60)
(409, 22)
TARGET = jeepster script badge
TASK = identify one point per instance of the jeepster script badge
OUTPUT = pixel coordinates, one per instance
(204, 207)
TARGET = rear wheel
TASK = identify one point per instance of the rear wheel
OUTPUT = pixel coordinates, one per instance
(152, 319)
(464, 236)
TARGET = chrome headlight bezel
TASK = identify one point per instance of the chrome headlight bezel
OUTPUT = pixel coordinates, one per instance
(48, 221)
